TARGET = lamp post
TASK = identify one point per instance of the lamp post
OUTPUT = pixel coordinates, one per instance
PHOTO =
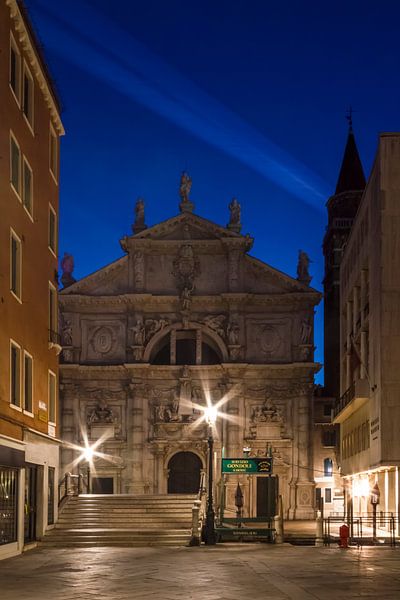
(88, 454)
(374, 498)
(210, 538)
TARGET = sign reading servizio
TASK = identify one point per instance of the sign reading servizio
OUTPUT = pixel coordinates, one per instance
(247, 465)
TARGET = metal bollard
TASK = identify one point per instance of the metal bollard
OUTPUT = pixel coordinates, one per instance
(319, 537)
(278, 522)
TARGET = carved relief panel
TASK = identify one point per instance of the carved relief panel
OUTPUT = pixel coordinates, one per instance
(104, 412)
(103, 340)
(269, 340)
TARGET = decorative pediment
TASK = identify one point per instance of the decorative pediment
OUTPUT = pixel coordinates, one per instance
(110, 280)
(187, 226)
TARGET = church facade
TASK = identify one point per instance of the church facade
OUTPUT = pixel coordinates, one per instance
(187, 317)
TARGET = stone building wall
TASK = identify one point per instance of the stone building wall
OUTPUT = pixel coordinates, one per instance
(188, 292)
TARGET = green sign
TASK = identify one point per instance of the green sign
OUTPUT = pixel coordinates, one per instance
(247, 465)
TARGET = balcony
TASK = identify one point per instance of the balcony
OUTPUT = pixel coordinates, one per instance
(353, 398)
(54, 341)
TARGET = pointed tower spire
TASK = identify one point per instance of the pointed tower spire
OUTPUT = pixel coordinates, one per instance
(342, 208)
(351, 177)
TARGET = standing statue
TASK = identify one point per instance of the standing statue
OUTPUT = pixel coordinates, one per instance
(184, 190)
(234, 208)
(235, 216)
(302, 268)
(233, 333)
(66, 333)
(67, 267)
(139, 223)
(306, 330)
(186, 297)
(138, 332)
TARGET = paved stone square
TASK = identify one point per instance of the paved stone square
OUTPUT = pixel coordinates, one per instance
(224, 572)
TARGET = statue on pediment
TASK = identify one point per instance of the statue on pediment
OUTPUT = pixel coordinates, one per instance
(302, 268)
(67, 266)
(139, 223)
(184, 190)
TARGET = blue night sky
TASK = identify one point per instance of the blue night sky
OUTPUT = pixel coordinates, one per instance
(248, 96)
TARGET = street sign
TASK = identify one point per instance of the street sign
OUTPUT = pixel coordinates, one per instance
(247, 465)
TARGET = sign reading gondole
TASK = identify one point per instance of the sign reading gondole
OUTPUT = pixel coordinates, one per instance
(247, 465)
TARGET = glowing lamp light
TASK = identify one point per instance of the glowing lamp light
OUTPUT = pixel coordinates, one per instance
(361, 488)
(210, 414)
(88, 454)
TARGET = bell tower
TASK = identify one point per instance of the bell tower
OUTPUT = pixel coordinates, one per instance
(342, 208)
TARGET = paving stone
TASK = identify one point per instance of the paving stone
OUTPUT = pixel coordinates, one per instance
(224, 572)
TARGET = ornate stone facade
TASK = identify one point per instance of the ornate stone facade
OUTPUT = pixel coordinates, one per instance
(187, 316)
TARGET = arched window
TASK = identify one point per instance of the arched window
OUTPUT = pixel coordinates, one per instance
(186, 347)
(328, 467)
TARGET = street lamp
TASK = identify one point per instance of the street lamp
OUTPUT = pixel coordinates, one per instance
(210, 538)
(87, 455)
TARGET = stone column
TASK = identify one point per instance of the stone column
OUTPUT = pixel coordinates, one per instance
(305, 483)
(294, 458)
(137, 392)
(70, 426)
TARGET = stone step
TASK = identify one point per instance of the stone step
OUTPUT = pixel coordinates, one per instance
(134, 508)
(136, 543)
(123, 520)
(129, 498)
(114, 531)
(122, 524)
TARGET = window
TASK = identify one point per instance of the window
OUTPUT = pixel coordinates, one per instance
(27, 95)
(28, 382)
(27, 188)
(15, 264)
(329, 438)
(50, 496)
(9, 504)
(15, 69)
(318, 498)
(186, 347)
(15, 165)
(53, 335)
(328, 467)
(328, 495)
(52, 229)
(52, 397)
(15, 374)
(327, 410)
(53, 153)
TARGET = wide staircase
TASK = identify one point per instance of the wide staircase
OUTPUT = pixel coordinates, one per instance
(123, 520)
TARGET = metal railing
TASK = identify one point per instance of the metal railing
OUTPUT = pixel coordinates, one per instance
(70, 485)
(344, 400)
(363, 530)
(198, 512)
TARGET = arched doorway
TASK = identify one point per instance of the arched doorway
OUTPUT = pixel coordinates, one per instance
(184, 473)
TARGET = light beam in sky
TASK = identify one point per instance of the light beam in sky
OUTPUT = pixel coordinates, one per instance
(127, 66)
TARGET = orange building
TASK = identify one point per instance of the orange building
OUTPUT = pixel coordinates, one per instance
(30, 127)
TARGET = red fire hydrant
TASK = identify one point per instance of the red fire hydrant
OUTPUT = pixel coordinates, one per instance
(344, 536)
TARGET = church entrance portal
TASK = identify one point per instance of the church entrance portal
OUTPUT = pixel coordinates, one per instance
(184, 473)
